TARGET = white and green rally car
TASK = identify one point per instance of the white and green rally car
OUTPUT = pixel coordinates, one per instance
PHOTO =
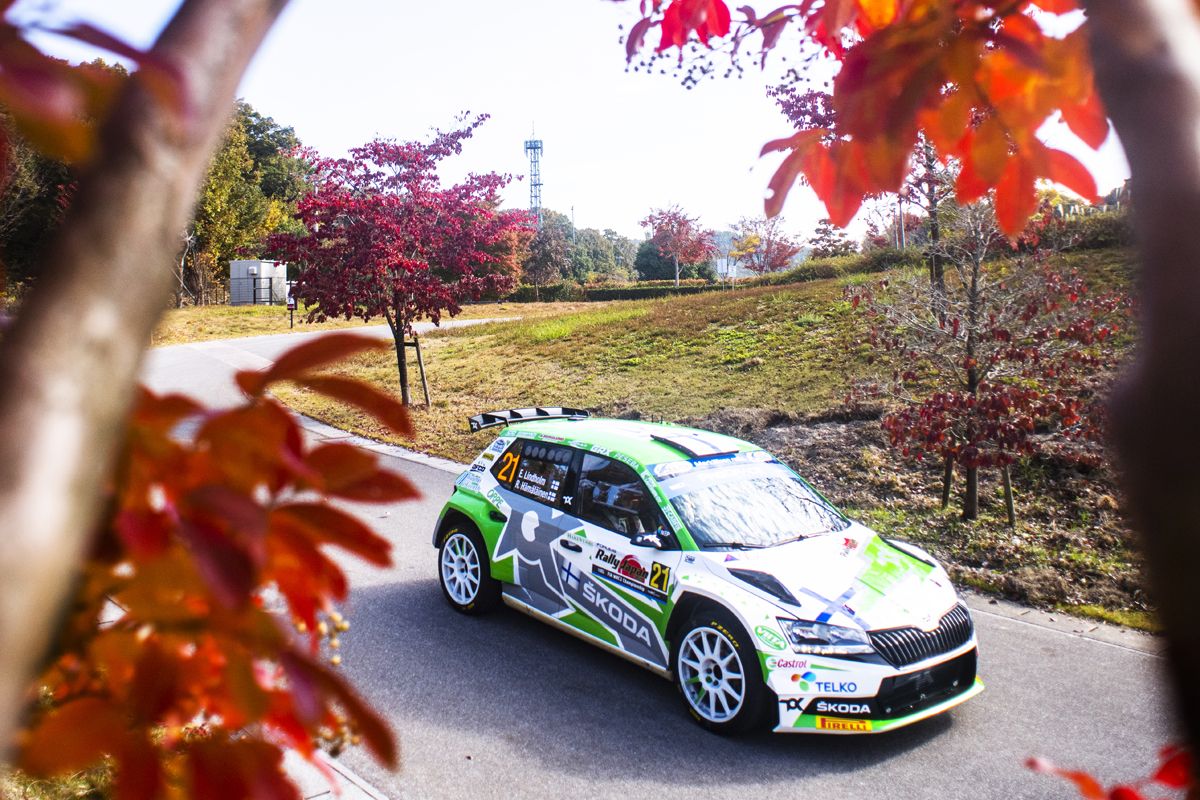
(705, 559)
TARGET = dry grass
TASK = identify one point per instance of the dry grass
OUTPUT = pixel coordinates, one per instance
(91, 784)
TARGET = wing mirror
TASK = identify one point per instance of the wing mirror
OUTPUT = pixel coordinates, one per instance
(655, 539)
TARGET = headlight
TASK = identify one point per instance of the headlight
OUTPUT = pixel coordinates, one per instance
(821, 638)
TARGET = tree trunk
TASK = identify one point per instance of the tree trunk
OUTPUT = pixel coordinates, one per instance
(676, 272)
(1144, 55)
(401, 357)
(937, 270)
(970, 508)
(70, 360)
(947, 480)
(1009, 506)
(971, 496)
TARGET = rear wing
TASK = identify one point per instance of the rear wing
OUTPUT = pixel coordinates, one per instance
(491, 419)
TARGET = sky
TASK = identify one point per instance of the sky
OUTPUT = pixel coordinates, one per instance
(616, 144)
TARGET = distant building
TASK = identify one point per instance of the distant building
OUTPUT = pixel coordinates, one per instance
(257, 283)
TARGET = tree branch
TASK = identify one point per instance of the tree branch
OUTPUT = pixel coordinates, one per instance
(71, 360)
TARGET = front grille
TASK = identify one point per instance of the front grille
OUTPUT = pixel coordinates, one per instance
(903, 646)
(902, 695)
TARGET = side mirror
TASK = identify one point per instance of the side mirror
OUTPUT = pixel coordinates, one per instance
(653, 539)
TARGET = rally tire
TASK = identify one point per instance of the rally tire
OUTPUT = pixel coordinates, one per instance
(717, 673)
(464, 571)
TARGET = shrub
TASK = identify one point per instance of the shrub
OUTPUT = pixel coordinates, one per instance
(1097, 231)
(550, 293)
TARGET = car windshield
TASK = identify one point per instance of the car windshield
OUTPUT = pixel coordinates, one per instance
(749, 505)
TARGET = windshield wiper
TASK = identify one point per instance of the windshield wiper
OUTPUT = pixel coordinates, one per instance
(738, 545)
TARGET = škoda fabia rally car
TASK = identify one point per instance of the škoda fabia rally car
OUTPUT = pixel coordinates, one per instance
(708, 561)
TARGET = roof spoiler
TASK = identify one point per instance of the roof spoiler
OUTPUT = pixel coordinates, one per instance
(491, 419)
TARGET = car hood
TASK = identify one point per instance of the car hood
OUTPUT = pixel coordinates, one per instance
(851, 577)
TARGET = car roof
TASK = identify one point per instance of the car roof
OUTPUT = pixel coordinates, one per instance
(633, 438)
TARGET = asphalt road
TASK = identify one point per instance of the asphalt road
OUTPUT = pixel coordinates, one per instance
(505, 707)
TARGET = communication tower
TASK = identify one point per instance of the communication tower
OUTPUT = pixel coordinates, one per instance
(533, 149)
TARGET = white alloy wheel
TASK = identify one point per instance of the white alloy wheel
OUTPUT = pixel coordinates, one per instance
(461, 571)
(711, 674)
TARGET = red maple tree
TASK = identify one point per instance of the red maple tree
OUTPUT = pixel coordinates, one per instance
(386, 239)
(762, 246)
(680, 237)
(1002, 361)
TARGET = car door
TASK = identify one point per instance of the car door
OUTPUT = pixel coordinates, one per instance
(533, 478)
(623, 587)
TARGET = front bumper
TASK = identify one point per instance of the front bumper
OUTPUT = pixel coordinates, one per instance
(901, 699)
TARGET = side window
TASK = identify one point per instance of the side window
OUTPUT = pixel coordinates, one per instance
(535, 470)
(613, 496)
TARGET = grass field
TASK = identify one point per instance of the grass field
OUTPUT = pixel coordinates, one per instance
(788, 348)
(204, 323)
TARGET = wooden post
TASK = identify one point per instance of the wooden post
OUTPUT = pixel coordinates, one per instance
(421, 367)
(1008, 497)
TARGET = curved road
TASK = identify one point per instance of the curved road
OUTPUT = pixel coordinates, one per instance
(505, 707)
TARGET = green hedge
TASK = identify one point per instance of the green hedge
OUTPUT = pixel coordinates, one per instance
(641, 291)
(567, 291)
(878, 260)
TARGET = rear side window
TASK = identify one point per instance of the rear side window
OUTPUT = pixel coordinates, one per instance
(536, 470)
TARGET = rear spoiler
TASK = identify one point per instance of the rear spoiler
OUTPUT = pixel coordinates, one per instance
(491, 419)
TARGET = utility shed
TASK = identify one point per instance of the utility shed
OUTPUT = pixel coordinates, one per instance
(256, 282)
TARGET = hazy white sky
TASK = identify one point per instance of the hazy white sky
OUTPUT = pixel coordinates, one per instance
(616, 144)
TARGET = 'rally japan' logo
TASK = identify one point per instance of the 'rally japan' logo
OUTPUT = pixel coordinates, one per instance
(630, 567)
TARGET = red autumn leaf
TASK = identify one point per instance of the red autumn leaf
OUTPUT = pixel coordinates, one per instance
(230, 508)
(374, 730)
(989, 151)
(226, 567)
(145, 533)
(379, 405)
(636, 37)
(1124, 793)
(73, 737)
(1057, 6)
(1088, 787)
(1176, 768)
(327, 525)
(1087, 121)
(139, 771)
(1064, 168)
(244, 768)
(317, 353)
(1016, 196)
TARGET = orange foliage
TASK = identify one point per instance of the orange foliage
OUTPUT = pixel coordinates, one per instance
(979, 77)
(214, 541)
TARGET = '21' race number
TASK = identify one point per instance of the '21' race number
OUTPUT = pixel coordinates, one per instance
(508, 468)
(660, 576)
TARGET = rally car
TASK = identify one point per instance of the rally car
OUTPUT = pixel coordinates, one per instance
(708, 561)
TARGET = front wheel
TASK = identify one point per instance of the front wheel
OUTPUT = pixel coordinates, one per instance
(717, 673)
(463, 572)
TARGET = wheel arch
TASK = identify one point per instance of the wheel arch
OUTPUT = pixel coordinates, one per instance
(690, 602)
(451, 517)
